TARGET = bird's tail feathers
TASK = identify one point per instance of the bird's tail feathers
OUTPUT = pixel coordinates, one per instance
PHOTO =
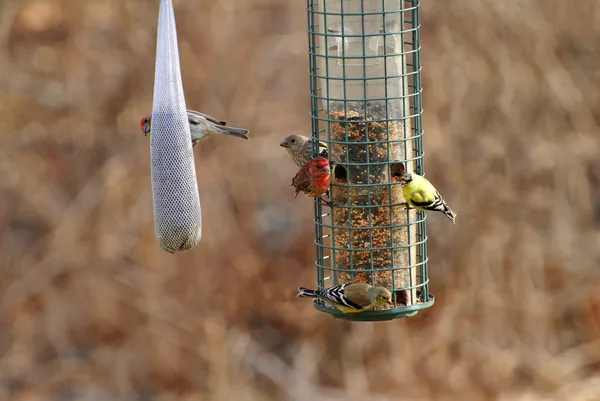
(444, 208)
(306, 293)
(214, 129)
(450, 214)
(237, 132)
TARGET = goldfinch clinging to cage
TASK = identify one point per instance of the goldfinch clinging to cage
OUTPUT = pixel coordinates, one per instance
(350, 298)
(421, 194)
(301, 148)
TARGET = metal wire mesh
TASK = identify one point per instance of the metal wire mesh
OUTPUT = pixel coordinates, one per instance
(177, 211)
(366, 106)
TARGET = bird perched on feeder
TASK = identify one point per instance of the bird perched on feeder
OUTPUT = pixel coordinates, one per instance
(313, 178)
(301, 148)
(201, 126)
(350, 298)
(421, 194)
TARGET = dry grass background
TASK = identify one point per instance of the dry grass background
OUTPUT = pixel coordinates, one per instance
(92, 309)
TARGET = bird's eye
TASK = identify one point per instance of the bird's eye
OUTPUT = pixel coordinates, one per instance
(293, 141)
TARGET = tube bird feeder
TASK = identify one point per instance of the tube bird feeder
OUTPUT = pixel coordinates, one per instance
(365, 91)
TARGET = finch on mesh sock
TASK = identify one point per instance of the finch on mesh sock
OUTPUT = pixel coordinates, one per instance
(350, 298)
(301, 148)
(313, 178)
(421, 194)
(201, 126)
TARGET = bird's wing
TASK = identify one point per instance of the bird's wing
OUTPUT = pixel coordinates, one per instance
(195, 117)
(419, 197)
(336, 295)
(427, 202)
(358, 294)
(439, 196)
(302, 180)
(441, 203)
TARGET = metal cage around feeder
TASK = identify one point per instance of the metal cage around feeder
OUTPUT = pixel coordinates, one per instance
(365, 91)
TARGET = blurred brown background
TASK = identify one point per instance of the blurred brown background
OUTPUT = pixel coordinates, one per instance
(92, 309)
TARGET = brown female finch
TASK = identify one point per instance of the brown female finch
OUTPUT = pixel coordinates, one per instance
(301, 148)
(313, 178)
(201, 126)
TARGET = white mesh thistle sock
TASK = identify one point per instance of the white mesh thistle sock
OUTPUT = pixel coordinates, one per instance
(177, 211)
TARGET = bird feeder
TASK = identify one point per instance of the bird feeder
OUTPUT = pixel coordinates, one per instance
(177, 209)
(365, 90)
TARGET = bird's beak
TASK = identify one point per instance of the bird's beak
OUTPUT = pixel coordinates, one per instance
(146, 129)
(284, 143)
(327, 169)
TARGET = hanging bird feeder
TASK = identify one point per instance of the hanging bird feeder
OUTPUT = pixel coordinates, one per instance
(177, 211)
(366, 107)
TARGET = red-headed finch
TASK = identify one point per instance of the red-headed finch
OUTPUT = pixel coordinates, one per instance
(313, 178)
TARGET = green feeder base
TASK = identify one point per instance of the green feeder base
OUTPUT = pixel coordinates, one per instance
(380, 315)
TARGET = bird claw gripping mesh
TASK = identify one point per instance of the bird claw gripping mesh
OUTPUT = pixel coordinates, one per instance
(177, 211)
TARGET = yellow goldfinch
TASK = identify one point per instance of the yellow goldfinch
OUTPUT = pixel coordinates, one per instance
(419, 193)
(350, 298)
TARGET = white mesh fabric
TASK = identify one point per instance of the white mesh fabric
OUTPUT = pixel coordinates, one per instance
(177, 211)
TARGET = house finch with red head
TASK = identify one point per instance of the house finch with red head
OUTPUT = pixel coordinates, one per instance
(301, 148)
(201, 126)
(313, 178)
